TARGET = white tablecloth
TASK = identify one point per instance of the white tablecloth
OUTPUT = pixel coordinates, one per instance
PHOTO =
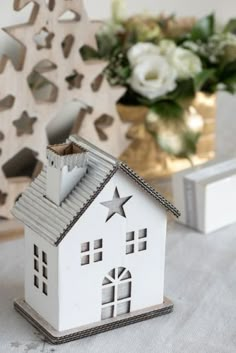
(200, 279)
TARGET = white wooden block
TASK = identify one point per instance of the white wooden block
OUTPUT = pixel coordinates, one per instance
(206, 195)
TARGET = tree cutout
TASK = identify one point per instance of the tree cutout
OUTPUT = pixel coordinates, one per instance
(7, 103)
(67, 45)
(3, 197)
(74, 80)
(69, 16)
(103, 122)
(97, 83)
(24, 125)
(14, 168)
(46, 82)
(43, 39)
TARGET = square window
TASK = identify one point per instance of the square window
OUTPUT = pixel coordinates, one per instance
(130, 249)
(98, 244)
(85, 247)
(142, 233)
(36, 281)
(45, 272)
(142, 246)
(108, 295)
(85, 260)
(36, 251)
(124, 291)
(107, 313)
(45, 288)
(123, 308)
(97, 257)
(129, 236)
(45, 258)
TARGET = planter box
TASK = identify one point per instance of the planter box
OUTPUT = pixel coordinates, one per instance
(144, 155)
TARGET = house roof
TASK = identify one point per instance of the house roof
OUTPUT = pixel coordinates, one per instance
(53, 222)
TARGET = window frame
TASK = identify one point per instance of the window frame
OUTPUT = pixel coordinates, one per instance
(136, 241)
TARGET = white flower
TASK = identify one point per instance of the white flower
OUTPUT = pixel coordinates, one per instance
(140, 51)
(194, 121)
(170, 141)
(152, 117)
(119, 10)
(153, 77)
(167, 47)
(186, 63)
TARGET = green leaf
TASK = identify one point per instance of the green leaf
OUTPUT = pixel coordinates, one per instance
(168, 109)
(88, 53)
(185, 89)
(228, 70)
(228, 76)
(190, 140)
(203, 77)
(231, 26)
(204, 28)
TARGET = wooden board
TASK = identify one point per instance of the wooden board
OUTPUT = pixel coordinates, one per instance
(56, 337)
(10, 229)
(51, 73)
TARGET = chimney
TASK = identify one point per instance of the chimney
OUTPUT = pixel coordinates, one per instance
(67, 164)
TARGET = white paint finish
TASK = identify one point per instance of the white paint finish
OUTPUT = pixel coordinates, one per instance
(46, 306)
(80, 287)
(60, 182)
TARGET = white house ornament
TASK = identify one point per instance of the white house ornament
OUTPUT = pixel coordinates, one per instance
(52, 74)
(95, 234)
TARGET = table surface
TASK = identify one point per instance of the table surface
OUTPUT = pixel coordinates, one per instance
(200, 279)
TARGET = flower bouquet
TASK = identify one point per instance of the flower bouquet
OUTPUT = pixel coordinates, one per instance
(166, 64)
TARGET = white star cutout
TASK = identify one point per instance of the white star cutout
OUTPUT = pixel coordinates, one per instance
(116, 205)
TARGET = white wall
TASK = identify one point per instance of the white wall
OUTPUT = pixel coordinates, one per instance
(45, 305)
(101, 8)
(224, 9)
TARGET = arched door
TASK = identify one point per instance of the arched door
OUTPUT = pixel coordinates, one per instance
(116, 293)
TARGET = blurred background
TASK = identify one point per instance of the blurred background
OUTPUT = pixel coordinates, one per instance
(155, 146)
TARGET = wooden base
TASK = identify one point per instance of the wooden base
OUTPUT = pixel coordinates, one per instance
(10, 229)
(55, 337)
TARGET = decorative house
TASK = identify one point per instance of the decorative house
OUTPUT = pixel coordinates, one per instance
(95, 236)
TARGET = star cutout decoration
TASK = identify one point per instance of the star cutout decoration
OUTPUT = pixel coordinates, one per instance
(24, 125)
(116, 205)
(74, 80)
(43, 39)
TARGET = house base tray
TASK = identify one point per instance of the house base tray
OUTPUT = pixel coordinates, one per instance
(55, 337)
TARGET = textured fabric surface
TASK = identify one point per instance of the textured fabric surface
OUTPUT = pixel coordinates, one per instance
(200, 280)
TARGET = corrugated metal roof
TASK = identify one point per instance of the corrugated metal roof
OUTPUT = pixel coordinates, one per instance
(53, 222)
